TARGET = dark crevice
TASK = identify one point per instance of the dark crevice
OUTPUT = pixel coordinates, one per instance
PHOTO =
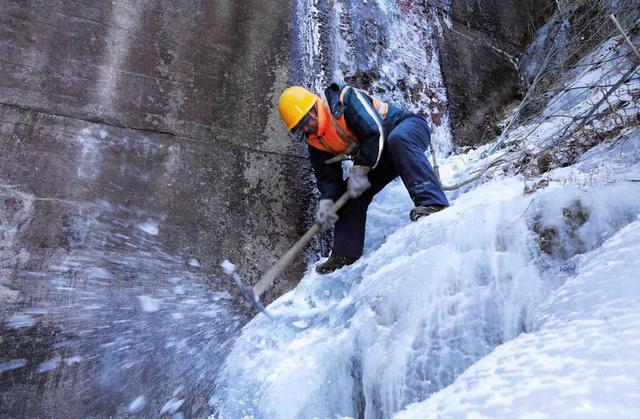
(114, 124)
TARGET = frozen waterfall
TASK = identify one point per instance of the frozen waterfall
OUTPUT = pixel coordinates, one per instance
(497, 292)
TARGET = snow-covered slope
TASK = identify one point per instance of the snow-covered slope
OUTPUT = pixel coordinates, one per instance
(583, 358)
(583, 362)
(440, 294)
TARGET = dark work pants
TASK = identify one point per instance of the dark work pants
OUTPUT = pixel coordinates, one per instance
(404, 156)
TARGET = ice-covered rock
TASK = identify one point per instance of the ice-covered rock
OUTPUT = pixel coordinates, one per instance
(582, 362)
(525, 290)
(435, 297)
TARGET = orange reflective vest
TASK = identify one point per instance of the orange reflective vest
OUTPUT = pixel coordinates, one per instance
(333, 134)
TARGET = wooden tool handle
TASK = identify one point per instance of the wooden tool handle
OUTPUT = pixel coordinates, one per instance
(267, 279)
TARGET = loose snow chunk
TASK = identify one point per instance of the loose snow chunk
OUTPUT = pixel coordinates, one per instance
(73, 360)
(194, 262)
(12, 365)
(229, 268)
(149, 304)
(171, 406)
(49, 365)
(137, 404)
(149, 227)
(18, 321)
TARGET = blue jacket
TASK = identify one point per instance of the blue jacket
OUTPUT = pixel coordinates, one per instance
(364, 122)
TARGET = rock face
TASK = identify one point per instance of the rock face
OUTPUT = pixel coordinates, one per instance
(158, 116)
(163, 106)
(479, 56)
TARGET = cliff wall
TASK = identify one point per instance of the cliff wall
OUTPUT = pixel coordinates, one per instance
(125, 123)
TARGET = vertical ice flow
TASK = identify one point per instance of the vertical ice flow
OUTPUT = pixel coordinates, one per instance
(427, 300)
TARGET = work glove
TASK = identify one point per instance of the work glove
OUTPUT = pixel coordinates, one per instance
(325, 217)
(358, 180)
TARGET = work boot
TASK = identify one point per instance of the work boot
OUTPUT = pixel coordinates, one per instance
(419, 212)
(334, 263)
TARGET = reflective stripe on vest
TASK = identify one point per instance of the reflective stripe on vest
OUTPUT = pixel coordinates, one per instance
(333, 134)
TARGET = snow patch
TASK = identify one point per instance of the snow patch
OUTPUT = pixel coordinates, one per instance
(137, 404)
(149, 227)
(49, 365)
(148, 303)
(90, 155)
(12, 365)
(171, 406)
(73, 360)
(228, 267)
(19, 321)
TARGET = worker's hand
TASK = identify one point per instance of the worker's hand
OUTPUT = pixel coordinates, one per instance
(358, 180)
(325, 217)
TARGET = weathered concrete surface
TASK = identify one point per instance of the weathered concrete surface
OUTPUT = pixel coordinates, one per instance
(195, 79)
(161, 110)
(479, 55)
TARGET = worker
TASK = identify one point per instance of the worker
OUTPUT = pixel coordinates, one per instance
(384, 142)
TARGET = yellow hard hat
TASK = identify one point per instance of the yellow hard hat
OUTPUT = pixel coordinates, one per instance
(294, 104)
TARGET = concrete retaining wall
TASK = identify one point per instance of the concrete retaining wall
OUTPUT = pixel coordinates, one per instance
(160, 111)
